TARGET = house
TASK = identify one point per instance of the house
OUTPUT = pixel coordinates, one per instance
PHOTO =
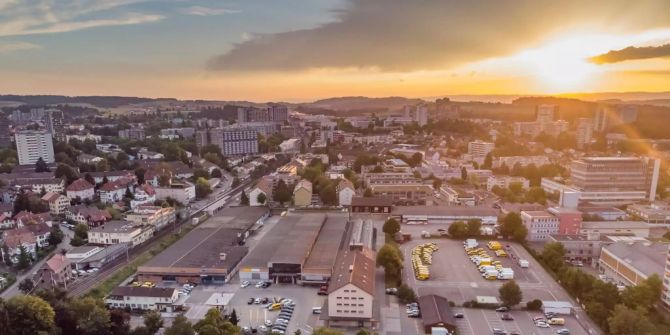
(302, 193)
(57, 271)
(99, 177)
(25, 218)
(143, 298)
(119, 231)
(57, 202)
(80, 189)
(146, 154)
(6, 221)
(88, 159)
(114, 191)
(155, 216)
(345, 192)
(264, 186)
(14, 239)
(181, 191)
(351, 291)
(90, 216)
(37, 185)
(144, 195)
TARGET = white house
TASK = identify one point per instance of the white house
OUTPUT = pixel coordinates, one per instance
(182, 191)
(345, 192)
(114, 191)
(264, 186)
(144, 195)
(118, 231)
(81, 189)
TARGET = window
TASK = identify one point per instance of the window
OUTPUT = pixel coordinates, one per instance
(339, 304)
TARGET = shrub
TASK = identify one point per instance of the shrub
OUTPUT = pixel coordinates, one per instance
(534, 305)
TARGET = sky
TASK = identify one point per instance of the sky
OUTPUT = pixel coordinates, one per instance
(296, 50)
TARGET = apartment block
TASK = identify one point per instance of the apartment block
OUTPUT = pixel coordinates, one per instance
(540, 224)
(32, 145)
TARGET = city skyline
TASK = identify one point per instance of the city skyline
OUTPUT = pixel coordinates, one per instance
(295, 51)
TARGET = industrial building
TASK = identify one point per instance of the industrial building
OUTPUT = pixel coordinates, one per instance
(445, 214)
(300, 248)
(210, 253)
(631, 263)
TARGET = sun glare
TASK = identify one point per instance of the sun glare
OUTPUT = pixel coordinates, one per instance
(561, 68)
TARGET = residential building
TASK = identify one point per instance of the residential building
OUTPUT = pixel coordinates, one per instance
(58, 203)
(665, 293)
(80, 189)
(579, 247)
(53, 122)
(609, 116)
(631, 263)
(596, 229)
(292, 145)
(37, 185)
(540, 224)
(264, 186)
(114, 191)
(584, 132)
(119, 231)
(144, 195)
(159, 299)
(523, 161)
(345, 192)
(479, 149)
(55, 272)
(505, 181)
(155, 216)
(351, 290)
(569, 220)
(88, 159)
(232, 140)
(179, 190)
(137, 134)
(407, 194)
(302, 193)
(32, 145)
(5, 134)
(15, 239)
(90, 216)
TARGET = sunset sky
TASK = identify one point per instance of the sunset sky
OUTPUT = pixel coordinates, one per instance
(297, 50)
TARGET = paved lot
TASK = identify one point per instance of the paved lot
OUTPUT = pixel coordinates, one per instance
(455, 277)
(305, 299)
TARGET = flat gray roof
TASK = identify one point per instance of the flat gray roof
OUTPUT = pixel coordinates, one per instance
(323, 254)
(648, 258)
(236, 217)
(445, 210)
(615, 225)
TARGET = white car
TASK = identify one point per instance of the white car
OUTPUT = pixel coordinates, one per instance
(259, 284)
(542, 324)
(244, 284)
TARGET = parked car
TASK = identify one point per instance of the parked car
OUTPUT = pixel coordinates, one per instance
(245, 284)
(459, 315)
(563, 331)
(502, 309)
(392, 291)
(250, 301)
(507, 317)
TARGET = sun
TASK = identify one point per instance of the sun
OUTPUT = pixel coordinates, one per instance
(560, 66)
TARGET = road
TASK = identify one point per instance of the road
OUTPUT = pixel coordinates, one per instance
(14, 289)
(81, 287)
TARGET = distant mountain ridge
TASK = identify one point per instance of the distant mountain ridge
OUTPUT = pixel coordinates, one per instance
(360, 102)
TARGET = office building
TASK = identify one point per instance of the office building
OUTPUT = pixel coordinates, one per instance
(616, 174)
(540, 224)
(32, 145)
(545, 117)
(419, 115)
(479, 149)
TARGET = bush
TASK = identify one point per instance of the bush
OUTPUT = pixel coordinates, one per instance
(534, 305)
(406, 294)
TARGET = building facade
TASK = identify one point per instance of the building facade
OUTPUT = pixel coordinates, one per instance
(32, 145)
(540, 224)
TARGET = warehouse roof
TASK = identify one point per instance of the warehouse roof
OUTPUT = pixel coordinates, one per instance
(322, 256)
(648, 258)
(445, 210)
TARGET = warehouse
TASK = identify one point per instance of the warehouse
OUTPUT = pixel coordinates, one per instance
(445, 214)
(300, 248)
(209, 253)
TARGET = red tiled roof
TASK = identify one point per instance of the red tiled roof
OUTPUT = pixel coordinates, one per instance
(79, 185)
(57, 262)
(120, 183)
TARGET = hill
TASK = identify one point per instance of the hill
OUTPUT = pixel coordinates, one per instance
(358, 103)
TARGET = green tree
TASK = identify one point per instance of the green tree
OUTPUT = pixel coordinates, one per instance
(643, 295)
(534, 305)
(119, 320)
(236, 182)
(5, 253)
(55, 235)
(202, 188)
(390, 259)
(215, 324)
(391, 226)
(261, 198)
(200, 173)
(458, 229)
(511, 223)
(41, 166)
(327, 331)
(233, 318)
(474, 227)
(406, 294)
(626, 321)
(553, 255)
(81, 231)
(488, 161)
(328, 194)
(464, 173)
(26, 286)
(24, 259)
(153, 322)
(67, 172)
(244, 199)
(216, 173)
(92, 316)
(281, 193)
(510, 294)
(180, 326)
(30, 315)
(368, 193)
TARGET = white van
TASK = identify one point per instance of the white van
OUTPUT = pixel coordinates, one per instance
(316, 310)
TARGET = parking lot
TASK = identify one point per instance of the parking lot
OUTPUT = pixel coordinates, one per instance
(253, 315)
(454, 276)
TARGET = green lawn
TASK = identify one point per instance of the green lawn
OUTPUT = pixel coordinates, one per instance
(101, 290)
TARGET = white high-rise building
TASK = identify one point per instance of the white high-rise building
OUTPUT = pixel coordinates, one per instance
(421, 115)
(665, 294)
(33, 144)
(545, 116)
(584, 132)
